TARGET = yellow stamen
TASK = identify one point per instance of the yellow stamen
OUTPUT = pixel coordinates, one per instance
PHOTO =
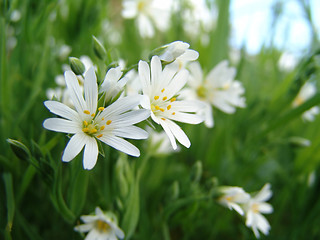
(157, 107)
(172, 99)
(99, 136)
(93, 114)
(85, 123)
(100, 109)
(102, 128)
(161, 109)
(173, 113)
(168, 107)
(109, 122)
(93, 131)
(255, 208)
(163, 119)
(102, 119)
(102, 226)
(86, 112)
(164, 98)
(85, 130)
(156, 97)
(162, 90)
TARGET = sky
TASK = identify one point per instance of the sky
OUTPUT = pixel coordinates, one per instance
(251, 21)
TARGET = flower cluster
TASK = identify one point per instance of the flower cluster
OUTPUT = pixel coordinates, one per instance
(251, 206)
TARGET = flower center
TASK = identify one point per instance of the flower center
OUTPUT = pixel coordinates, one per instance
(141, 6)
(255, 207)
(202, 92)
(102, 226)
(93, 128)
(160, 104)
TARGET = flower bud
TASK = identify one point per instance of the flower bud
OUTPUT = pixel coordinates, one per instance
(19, 149)
(76, 65)
(98, 49)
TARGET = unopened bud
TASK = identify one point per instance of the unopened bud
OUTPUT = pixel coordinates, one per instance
(76, 65)
(98, 49)
(19, 149)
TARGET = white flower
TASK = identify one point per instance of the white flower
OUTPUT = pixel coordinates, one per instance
(146, 13)
(89, 124)
(160, 88)
(232, 197)
(101, 226)
(307, 91)
(178, 53)
(113, 84)
(257, 205)
(218, 88)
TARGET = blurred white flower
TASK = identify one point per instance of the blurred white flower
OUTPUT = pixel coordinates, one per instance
(178, 53)
(253, 209)
(307, 91)
(160, 88)
(64, 51)
(287, 62)
(147, 14)
(101, 226)
(218, 88)
(15, 15)
(232, 197)
(89, 123)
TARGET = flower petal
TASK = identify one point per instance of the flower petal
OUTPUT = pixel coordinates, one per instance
(121, 105)
(74, 146)
(177, 83)
(121, 145)
(75, 91)
(186, 118)
(164, 124)
(131, 132)
(131, 117)
(90, 155)
(61, 110)
(91, 90)
(84, 227)
(144, 76)
(178, 133)
(61, 125)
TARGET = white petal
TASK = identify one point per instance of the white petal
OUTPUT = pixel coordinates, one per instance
(61, 125)
(91, 90)
(178, 133)
(62, 110)
(264, 194)
(89, 218)
(130, 118)
(186, 118)
(90, 155)
(156, 71)
(145, 26)
(119, 232)
(188, 105)
(84, 227)
(262, 224)
(189, 55)
(265, 208)
(177, 83)
(131, 132)
(165, 127)
(94, 235)
(121, 145)
(74, 146)
(144, 76)
(237, 208)
(121, 105)
(196, 71)
(75, 91)
(112, 77)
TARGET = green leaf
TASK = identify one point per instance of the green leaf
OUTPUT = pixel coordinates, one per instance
(7, 177)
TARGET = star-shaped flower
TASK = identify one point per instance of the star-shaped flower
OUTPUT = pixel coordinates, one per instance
(160, 89)
(101, 226)
(90, 123)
